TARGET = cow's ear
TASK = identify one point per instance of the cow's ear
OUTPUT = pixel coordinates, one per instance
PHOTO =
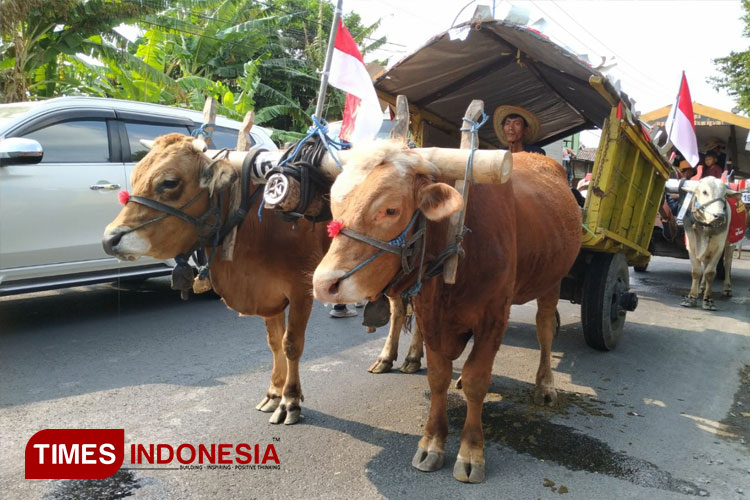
(217, 176)
(731, 193)
(439, 200)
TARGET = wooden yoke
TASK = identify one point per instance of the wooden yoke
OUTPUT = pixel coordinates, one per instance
(401, 127)
(456, 224)
(243, 144)
(209, 116)
(202, 284)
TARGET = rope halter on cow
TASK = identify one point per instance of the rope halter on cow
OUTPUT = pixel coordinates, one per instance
(408, 249)
(210, 227)
(720, 218)
(405, 249)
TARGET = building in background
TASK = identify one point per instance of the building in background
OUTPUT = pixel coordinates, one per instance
(715, 128)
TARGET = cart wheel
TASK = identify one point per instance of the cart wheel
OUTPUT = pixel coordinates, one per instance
(606, 300)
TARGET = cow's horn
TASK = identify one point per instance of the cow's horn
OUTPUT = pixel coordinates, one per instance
(200, 145)
(489, 166)
(147, 143)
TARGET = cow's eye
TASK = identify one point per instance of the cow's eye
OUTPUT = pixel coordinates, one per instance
(705, 193)
(169, 184)
(391, 211)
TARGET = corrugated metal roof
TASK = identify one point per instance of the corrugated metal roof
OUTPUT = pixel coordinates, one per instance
(586, 154)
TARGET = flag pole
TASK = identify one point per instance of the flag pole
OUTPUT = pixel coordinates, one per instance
(673, 111)
(327, 64)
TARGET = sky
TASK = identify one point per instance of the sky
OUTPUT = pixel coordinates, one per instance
(652, 41)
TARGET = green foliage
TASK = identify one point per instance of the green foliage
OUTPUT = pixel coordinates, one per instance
(37, 34)
(735, 69)
(249, 55)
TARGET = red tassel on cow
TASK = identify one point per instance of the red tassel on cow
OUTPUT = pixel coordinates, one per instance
(123, 196)
(334, 228)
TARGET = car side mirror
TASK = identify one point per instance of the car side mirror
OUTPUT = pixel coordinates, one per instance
(20, 151)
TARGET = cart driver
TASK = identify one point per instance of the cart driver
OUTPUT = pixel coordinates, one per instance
(517, 128)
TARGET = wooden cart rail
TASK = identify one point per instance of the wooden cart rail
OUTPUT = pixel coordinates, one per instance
(626, 188)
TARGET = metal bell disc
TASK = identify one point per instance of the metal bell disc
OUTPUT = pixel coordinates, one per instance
(276, 190)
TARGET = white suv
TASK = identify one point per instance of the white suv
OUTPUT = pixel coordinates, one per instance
(62, 163)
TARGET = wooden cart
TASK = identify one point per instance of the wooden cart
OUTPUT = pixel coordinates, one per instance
(502, 63)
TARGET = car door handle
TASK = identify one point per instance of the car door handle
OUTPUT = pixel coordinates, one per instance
(109, 187)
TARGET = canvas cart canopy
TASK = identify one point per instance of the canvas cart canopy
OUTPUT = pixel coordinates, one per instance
(503, 63)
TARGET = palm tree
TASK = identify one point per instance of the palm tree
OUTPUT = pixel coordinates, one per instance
(34, 34)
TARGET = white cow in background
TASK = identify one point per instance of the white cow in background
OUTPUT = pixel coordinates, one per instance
(707, 227)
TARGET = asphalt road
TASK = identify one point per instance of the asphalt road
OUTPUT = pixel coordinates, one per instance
(664, 416)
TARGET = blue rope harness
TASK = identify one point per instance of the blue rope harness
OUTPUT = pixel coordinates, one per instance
(204, 130)
(319, 128)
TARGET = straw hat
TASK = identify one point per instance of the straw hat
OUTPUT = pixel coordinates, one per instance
(532, 131)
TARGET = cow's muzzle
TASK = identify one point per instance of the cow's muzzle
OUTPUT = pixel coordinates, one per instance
(110, 242)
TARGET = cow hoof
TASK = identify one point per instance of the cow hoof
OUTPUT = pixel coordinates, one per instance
(727, 293)
(545, 396)
(278, 416)
(459, 384)
(689, 301)
(411, 365)
(708, 305)
(468, 472)
(381, 366)
(292, 416)
(268, 404)
(428, 461)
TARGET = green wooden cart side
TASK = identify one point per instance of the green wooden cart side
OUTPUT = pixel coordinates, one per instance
(625, 192)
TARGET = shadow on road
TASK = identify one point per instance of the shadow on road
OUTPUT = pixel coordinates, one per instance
(75, 341)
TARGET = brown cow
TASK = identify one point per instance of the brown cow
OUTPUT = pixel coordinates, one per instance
(270, 270)
(524, 236)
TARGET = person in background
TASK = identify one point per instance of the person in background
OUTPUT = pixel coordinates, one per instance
(712, 167)
(517, 128)
(343, 311)
(686, 171)
(567, 158)
(717, 146)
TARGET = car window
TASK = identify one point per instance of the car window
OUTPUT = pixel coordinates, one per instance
(226, 138)
(150, 131)
(74, 141)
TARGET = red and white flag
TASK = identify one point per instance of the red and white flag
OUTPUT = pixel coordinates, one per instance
(681, 125)
(362, 113)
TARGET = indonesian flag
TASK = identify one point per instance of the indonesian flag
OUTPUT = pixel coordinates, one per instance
(362, 113)
(681, 125)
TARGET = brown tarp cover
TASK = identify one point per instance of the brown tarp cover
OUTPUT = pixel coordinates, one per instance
(445, 75)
